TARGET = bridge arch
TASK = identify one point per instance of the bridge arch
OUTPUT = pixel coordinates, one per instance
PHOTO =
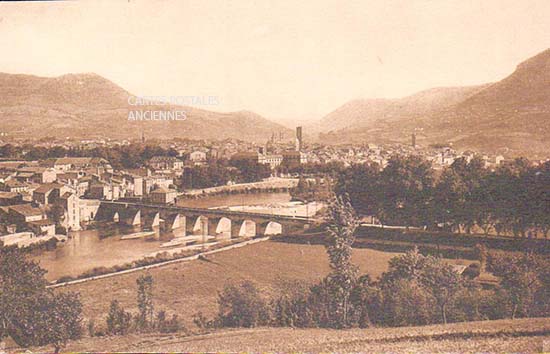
(219, 227)
(198, 225)
(243, 228)
(270, 228)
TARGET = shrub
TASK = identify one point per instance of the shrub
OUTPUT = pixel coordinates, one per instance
(291, 308)
(167, 326)
(242, 306)
(118, 321)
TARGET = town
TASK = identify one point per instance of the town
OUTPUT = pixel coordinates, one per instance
(41, 196)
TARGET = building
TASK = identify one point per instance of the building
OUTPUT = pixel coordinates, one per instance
(156, 181)
(272, 160)
(165, 163)
(294, 158)
(10, 198)
(102, 190)
(42, 227)
(198, 156)
(48, 193)
(299, 139)
(88, 209)
(94, 164)
(15, 186)
(70, 203)
(36, 174)
(163, 196)
(22, 214)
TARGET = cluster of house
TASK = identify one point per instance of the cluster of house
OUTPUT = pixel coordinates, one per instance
(381, 154)
(39, 196)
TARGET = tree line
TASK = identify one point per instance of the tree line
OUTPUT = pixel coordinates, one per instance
(512, 199)
(416, 289)
(221, 171)
(120, 156)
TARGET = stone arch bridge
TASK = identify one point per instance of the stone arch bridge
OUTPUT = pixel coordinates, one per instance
(223, 224)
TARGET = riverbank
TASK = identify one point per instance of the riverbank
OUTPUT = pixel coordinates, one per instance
(163, 258)
(188, 287)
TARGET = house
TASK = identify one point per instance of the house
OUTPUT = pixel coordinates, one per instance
(77, 163)
(15, 186)
(42, 227)
(197, 156)
(10, 198)
(165, 163)
(81, 184)
(163, 195)
(22, 214)
(102, 190)
(36, 174)
(156, 181)
(135, 184)
(48, 193)
(70, 203)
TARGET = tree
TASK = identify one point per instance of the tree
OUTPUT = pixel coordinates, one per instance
(406, 188)
(29, 313)
(361, 184)
(341, 234)
(521, 279)
(430, 273)
(58, 320)
(144, 318)
(443, 282)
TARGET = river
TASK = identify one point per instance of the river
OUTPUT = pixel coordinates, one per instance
(88, 249)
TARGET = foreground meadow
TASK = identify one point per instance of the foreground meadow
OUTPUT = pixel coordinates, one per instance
(525, 336)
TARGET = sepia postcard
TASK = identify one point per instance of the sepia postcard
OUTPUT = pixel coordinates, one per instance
(249, 176)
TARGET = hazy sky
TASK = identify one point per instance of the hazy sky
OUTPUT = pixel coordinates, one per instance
(282, 59)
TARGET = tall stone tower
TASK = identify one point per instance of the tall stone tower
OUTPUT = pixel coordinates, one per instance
(299, 139)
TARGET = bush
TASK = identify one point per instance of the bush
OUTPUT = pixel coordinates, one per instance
(202, 322)
(291, 308)
(242, 306)
(168, 326)
(118, 321)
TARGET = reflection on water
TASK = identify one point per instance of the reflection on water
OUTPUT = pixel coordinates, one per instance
(104, 248)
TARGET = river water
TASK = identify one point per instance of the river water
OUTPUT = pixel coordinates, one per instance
(88, 249)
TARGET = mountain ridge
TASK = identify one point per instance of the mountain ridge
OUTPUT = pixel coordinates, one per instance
(71, 104)
(510, 116)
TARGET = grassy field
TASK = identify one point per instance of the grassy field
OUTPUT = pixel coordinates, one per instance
(525, 336)
(188, 287)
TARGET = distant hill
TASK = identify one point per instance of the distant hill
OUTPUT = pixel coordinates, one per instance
(363, 113)
(511, 116)
(88, 105)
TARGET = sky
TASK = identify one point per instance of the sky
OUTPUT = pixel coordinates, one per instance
(286, 60)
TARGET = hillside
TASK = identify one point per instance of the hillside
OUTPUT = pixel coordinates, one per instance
(88, 105)
(511, 116)
(362, 113)
(522, 335)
